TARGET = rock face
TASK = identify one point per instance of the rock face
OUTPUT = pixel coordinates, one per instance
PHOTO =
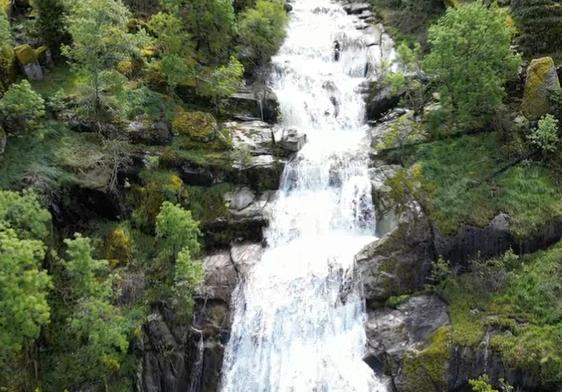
(396, 264)
(179, 358)
(28, 60)
(410, 326)
(142, 131)
(380, 100)
(542, 80)
(254, 102)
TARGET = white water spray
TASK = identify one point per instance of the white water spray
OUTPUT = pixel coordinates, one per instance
(293, 328)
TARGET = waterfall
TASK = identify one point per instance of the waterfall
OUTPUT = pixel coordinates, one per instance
(298, 321)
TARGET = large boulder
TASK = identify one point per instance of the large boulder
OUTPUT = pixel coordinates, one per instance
(28, 59)
(391, 332)
(397, 264)
(542, 80)
(144, 131)
(381, 99)
(254, 102)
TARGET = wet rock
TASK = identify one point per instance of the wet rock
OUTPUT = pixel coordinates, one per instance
(542, 80)
(241, 199)
(144, 131)
(257, 102)
(292, 140)
(220, 277)
(381, 99)
(391, 332)
(382, 200)
(398, 263)
(356, 8)
(245, 256)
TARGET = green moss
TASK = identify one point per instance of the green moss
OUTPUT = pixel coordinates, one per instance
(525, 315)
(395, 301)
(207, 203)
(25, 54)
(426, 370)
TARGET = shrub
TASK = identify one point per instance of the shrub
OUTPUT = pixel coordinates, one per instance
(471, 60)
(545, 137)
(196, 125)
(21, 107)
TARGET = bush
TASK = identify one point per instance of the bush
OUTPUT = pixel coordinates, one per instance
(261, 32)
(471, 60)
(21, 107)
(545, 137)
(196, 125)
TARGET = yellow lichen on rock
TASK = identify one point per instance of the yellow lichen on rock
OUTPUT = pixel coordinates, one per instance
(542, 80)
(25, 54)
(198, 126)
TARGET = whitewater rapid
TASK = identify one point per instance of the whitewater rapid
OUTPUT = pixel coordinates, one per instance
(298, 322)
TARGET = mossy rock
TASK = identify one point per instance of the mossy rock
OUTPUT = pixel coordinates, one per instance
(426, 370)
(198, 126)
(542, 80)
(119, 247)
(25, 54)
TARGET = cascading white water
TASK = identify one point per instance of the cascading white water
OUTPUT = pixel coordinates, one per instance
(293, 328)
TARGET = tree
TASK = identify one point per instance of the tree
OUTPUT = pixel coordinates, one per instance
(5, 33)
(212, 26)
(23, 292)
(261, 32)
(93, 339)
(540, 24)
(178, 235)
(223, 81)
(50, 22)
(100, 39)
(470, 61)
(175, 46)
(21, 108)
(176, 230)
(482, 384)
(23, 213)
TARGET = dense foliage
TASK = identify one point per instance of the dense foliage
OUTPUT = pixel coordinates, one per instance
(471, 60)
(540, 24)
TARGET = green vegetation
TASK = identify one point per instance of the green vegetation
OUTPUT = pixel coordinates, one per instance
(539, 23)
(519, 299)
(261, 32)
(21, 108)
(471, 60)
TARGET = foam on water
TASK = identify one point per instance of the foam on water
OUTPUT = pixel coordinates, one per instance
(293, 328)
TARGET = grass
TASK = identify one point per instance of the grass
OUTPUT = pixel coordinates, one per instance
(464, 187)
(525, 315)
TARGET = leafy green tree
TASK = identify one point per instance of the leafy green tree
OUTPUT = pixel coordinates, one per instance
(5, 33)
(50, 22)
(482, 384)
(187, 276)
(93, 335)
(261, 32)
(21, 108)
(223, 81)
(470, 61)
(23, 213)
(178, 236)
(175, 46)
(100, 39)
(23, 292)
(176, 229)
(540, 24)
(212, 26)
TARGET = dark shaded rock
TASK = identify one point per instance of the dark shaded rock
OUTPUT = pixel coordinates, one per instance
(380, 100)
(143, 131)
(220, 277)
(3, 140)
(195, 174)
(396, 264)
(392, 332)
(258, 102)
